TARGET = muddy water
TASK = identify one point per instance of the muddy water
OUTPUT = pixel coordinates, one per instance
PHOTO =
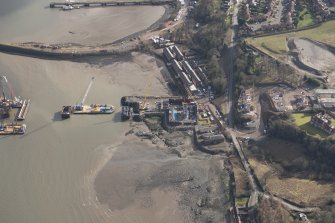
(47, 174)
(32, 20)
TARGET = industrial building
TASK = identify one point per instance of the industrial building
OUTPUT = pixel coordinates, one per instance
(189, 70)
(182, 112)
(201, 74)
(326, 98)
(325, 93)
(169, 56)
(176, 67)
(175, 110)
(185, 79)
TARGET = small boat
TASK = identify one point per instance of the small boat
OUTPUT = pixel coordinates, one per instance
(66, 111)
(12, 129)
(67, 7)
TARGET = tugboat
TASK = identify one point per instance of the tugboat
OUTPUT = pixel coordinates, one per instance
(66, 111)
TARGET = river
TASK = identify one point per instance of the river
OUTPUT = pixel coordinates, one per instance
(47, 174)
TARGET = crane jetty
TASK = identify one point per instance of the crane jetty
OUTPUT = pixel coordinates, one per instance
(81, 109)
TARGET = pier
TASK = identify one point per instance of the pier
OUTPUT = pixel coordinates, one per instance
(108, 3)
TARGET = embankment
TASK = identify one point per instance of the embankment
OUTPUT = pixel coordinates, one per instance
(68, 51)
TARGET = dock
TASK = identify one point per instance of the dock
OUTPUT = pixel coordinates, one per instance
(108, 3)
(23, 111)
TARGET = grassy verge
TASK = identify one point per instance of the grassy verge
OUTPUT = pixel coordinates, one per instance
(302, 120)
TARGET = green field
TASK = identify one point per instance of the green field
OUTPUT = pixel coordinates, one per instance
(302, 121)
(276, 45)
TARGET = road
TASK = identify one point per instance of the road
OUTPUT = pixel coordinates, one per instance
(230, 69)
(256, 190)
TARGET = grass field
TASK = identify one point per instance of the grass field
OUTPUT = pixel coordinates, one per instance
(291, 188)
(302, 121)
(276, 45)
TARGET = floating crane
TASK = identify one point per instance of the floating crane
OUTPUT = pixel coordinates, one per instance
(6, 103)
(5, 106)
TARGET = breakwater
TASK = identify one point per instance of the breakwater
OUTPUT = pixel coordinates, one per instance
(108, 3)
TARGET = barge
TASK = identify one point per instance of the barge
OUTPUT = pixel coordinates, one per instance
(12, 129)
(93, 109)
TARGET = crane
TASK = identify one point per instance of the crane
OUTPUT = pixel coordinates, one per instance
(10, 88)
(87, 90)
(146, 94)
(4, 104)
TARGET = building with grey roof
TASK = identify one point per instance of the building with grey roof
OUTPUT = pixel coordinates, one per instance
(201, 74)
(176, 66)
(169, 56)
(189, 70)
(178, 53)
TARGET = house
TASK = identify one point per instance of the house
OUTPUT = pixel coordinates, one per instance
(323, 122)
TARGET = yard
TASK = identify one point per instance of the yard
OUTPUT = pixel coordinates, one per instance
(302, 121)
(305, 18)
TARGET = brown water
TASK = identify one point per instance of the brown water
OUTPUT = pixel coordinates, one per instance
(47, 174)
(30, 20)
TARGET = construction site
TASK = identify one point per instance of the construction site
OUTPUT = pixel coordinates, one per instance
(12, 110)
(175, 111)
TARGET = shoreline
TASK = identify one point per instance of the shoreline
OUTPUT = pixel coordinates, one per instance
(69, 51)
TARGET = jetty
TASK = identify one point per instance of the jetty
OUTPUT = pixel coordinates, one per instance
(86, 4)
(23, 110)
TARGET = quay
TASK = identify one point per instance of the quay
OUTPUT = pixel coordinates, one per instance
(108, 3)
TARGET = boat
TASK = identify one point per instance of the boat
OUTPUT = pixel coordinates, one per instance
(66, 111)
(93, 109)
(67, 7)
(12, 129)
